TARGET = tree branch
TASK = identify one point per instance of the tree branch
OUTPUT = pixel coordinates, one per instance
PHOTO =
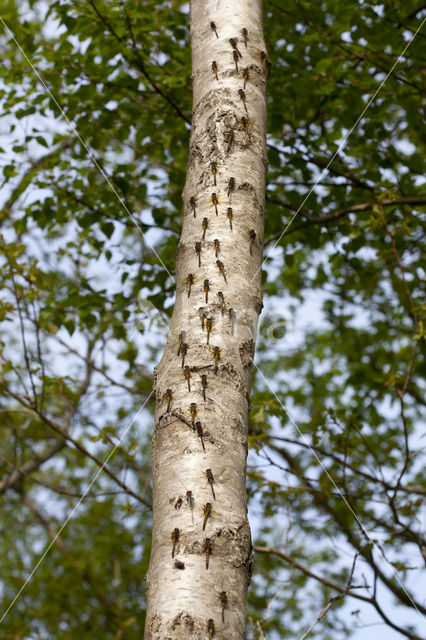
(36, 165)
(13, 479)
(47, 421)
(340, 214)
(139, 63)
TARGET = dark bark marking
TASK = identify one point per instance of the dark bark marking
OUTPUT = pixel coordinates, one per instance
(246, 350)
(183, 620)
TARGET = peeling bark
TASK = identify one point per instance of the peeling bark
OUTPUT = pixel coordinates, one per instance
(212, 334)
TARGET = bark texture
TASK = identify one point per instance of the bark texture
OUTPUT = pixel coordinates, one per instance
(193, 434)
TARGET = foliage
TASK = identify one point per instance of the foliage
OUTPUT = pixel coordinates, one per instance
(94, 154)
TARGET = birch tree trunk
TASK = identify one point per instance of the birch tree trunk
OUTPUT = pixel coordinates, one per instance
(203, 379)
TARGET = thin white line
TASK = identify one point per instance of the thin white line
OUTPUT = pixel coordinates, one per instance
(46, 551)
(342, 145)
(92, 157)
(363, 529)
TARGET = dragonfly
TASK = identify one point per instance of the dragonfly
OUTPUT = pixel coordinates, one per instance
(246, 76)
(168, 396)
(193, 410)
(224, 603)
(204, 226)
(221, 301)
(188, 501)
(210, 480)
(229, 214)
(187, 374)
(213, 28)
(216, 478)
(175, 538)
(213, 627)
(245, 35)
(192, 205)
(208, 550)
(213, 167)
(203, 316)
(204, 385)
(200, 434)
(207, 511)
(209, 328)
(216, 356)
(214, 69)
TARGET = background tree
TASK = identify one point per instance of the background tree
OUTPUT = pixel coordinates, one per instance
(341, 345)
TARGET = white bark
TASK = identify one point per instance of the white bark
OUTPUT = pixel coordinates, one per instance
(181, 601)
